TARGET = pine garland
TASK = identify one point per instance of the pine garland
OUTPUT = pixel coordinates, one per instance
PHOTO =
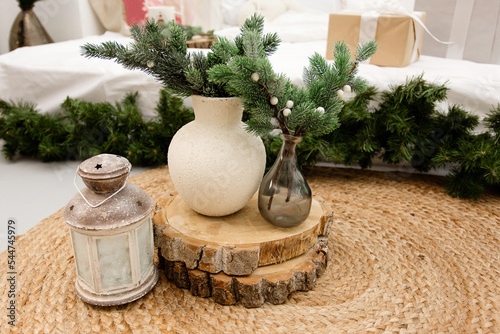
(406, 126)
(83, 129)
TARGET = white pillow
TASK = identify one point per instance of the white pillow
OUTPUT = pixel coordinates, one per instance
(291, 27)
(363, 5)
(269, 8)
(111, 13)
(230, 10)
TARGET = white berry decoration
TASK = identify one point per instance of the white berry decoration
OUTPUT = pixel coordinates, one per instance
(275, 132)
(347, 89)
(321, 110)
(286, 112)
(255, 76)
(150, 63)
(274, 100)
(289, 104)
(341, 94)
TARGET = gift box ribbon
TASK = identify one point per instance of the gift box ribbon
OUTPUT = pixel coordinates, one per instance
(368, 27)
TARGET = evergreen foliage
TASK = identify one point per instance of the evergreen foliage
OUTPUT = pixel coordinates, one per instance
(448, 139)
(355, 142)
(417, 132)
(403, 125)
(408, 127)
(161, 51)
(227, 71)
(83, 129)
(270, 99)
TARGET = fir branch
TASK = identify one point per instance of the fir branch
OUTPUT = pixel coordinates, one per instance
(161, 51)
(438, 139)
(406, 122)
(158, 52)
(314, 109)
(107, 50)
(253, 23)
(492, 121)
(359, 85)
(222, 51)
(82, 129)
(318, 66)
(252, 45)
(259, 126)
(196, 75)
(271, 43)
(462, 185)
(491, 166)
(342, 57)
(365, 51)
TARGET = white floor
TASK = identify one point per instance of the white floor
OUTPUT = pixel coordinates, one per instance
(31, 190)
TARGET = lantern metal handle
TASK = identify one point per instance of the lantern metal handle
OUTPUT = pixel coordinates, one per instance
(107, 198)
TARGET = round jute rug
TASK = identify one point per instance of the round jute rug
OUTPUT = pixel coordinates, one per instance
(404, 257)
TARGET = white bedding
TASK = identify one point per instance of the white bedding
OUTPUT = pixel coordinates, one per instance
(473, 85)
(48, 74)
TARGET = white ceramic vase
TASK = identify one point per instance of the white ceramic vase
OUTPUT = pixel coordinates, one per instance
(215, 164)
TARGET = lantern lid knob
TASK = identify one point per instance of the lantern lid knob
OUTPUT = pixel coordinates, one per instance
(108, 201)
(104, 173)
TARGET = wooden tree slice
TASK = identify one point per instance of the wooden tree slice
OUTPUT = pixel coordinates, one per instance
(236, 244)
(273, 283)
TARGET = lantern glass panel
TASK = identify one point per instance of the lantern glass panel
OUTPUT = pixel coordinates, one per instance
(144, 240)
(113, 254)
(82, 257)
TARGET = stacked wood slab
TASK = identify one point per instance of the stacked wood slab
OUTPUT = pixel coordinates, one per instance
(240, 257)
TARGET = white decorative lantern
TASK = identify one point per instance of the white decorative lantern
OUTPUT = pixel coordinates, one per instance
(111, 233)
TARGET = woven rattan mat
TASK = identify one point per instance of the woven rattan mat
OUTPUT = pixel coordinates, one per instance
(404, 257)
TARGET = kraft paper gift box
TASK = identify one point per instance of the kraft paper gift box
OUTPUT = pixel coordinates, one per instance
(399, 36)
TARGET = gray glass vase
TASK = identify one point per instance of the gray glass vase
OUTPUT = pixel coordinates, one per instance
(27, 30)
(284, 194)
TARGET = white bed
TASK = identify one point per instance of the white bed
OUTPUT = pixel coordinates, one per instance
(48, 74)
